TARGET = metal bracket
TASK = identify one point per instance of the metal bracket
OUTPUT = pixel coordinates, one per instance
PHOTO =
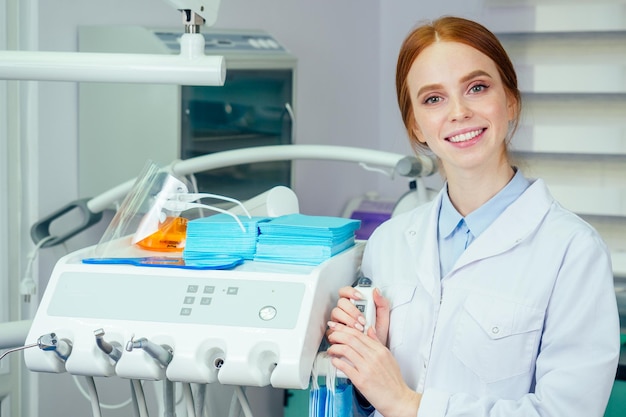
(41, 229)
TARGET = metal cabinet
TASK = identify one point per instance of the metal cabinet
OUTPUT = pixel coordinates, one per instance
(122, 126)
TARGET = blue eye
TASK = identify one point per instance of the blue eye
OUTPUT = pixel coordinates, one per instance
(478, 88)
(432, 100)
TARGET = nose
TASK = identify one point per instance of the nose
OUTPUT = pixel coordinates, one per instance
(459, 110)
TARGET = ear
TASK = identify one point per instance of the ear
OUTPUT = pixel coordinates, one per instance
(414, 129)
(417, 133)
(512, 108)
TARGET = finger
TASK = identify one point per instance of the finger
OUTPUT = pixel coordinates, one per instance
(349, 292)
(356, 318)
(359, 355)
(371, 333)
(344, 366)
(339, 315)
(354, 338)
(345, 356)
(380, 301)
(382, 316)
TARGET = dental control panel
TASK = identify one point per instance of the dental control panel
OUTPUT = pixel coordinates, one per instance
(255, 325)
(203, 301)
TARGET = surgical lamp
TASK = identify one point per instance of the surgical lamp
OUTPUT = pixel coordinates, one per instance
(190, 67)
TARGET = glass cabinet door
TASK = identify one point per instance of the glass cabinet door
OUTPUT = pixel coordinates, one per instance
(251, 109)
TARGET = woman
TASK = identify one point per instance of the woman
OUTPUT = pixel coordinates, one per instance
(492, 300)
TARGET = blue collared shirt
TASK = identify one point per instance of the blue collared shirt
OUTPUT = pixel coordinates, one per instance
(456, 233)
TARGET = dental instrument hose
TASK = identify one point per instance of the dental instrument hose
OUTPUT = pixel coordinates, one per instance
(235, 407)
(191, 409)
(168, 399)
(139, 398)
(134, 401)
(239, 402)
(243, 401)
(93, 394)
(86, 395)
(200, 399)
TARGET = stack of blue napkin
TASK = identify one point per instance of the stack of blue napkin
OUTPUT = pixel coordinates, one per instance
(302, 239)
(221, 234)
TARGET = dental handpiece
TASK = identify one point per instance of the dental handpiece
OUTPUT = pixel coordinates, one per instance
(161, 353)
(366, 304)
(111, 349)
(47, 342)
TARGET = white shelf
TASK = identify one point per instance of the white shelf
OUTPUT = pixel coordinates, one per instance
(569, 62)
(557, 17)
(619, 263)
(566, 47)
(572, 79)
(597, 201)
(492, 3)
(571, 139)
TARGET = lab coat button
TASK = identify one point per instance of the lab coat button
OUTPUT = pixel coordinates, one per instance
(495, 330)
(412, 232)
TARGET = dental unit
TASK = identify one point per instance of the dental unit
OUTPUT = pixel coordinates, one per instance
(257, 324)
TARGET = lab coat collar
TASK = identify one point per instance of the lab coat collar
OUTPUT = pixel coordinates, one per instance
(421, 236)
(449, 217)
(515, 224)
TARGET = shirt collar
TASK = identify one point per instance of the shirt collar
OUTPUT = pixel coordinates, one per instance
(480, 219)
(449, 217)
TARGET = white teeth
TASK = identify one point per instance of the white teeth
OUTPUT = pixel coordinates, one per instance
(465, 136)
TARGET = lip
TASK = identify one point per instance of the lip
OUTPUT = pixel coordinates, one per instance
(465, 135)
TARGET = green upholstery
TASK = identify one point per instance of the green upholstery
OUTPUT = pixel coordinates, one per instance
(617, 402)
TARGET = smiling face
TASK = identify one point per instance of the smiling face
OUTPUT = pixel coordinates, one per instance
(460, 107)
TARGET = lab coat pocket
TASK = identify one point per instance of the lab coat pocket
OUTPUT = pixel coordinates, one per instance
(399, 296)
(497, 338)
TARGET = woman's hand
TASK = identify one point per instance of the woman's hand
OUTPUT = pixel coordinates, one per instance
(372, 369)
(365, 359)
(346, 312)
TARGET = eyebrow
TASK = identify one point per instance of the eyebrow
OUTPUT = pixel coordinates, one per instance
(464, 79)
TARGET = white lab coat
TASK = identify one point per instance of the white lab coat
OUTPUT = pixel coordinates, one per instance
(525, 324)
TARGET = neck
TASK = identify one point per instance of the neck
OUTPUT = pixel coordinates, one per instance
(471, 190)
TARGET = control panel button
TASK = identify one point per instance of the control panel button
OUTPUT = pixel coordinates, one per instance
(267, 313)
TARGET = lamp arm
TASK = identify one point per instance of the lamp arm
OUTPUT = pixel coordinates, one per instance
(190, 67)
(397, 162)
(408, 166)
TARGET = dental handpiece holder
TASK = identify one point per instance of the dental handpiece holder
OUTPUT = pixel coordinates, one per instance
(144, 359)
(112, 350)
(61, 347)
(55, 350)
(162, 354)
